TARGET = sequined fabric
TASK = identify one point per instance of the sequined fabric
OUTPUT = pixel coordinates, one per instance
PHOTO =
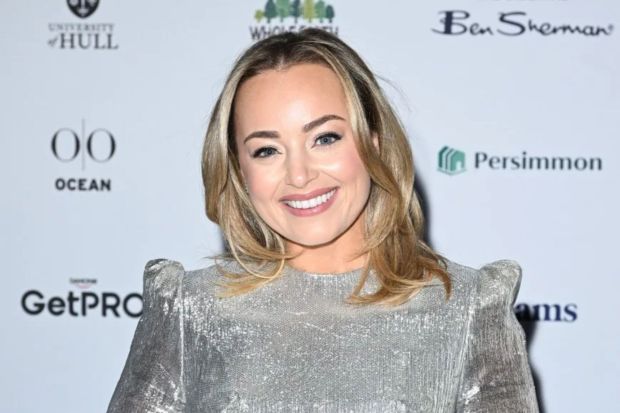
(295, 346)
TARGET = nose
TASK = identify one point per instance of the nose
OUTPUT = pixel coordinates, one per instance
(299, 170)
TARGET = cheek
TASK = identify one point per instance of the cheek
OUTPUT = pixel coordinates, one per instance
(348, 167)
(261, 184)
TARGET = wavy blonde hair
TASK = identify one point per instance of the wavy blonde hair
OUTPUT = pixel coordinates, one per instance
(402, 261)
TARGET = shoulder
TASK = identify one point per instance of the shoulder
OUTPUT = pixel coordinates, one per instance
(496, 282)
(210, 274)
(161, 282)
(166, 278)
(160, 272)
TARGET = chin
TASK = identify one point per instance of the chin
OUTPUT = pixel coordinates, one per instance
(310, 240)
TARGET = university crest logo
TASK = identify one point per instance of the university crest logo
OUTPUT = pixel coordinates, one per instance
(83, 8)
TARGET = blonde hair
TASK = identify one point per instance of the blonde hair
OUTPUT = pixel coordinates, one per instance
(401, 260)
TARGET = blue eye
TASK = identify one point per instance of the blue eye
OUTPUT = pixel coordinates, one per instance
(264, 152)
(327, 139)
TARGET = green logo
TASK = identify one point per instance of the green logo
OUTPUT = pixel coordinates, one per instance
(451, 161)
(309, 10)
(280, 16)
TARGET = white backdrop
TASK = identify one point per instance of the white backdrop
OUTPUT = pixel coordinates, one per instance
(127, 87)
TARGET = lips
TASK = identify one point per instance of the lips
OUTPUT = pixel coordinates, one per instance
(307, 196)
(310, 204)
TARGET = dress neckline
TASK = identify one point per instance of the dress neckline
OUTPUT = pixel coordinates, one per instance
(323, 276)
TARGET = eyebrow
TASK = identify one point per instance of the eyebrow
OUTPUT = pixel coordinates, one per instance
(306, 128)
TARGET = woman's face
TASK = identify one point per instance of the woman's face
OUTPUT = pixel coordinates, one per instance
(298, 156)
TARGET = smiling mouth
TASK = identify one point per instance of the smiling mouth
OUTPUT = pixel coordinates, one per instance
(312, 202)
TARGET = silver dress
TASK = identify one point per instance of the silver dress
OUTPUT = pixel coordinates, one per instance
(295, 346)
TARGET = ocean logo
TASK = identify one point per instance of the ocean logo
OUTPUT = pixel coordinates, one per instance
(451, 161)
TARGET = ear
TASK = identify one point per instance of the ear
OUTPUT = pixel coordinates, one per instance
(375, 140)
(244, 182)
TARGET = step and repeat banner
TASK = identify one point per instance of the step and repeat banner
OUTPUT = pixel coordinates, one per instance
(513, 111)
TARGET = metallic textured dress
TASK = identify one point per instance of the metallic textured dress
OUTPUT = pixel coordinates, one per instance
(295, 346)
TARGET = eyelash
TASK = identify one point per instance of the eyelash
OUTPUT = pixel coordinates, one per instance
(258, 153)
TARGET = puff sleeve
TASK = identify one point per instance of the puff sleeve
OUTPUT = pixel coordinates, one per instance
(496, 375)
(151, 380)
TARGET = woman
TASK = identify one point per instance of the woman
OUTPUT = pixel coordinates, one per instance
(332, 301)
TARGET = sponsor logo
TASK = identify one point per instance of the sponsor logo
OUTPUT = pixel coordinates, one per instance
(74, 35)
(82, 303)
(70, 147)
(514, 23)
(83, 283)
(280, 16)
(546, 312)
(452, 161)
(83, 8)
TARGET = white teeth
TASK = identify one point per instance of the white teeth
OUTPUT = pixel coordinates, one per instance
(311, 203)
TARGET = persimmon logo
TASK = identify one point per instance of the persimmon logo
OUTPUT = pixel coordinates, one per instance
(451, 161)
(280, 16)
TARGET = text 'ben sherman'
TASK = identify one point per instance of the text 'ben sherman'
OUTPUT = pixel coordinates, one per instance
(453, 161)
(513, 23)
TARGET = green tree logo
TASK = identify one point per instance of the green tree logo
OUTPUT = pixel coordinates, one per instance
(329, 13)
(270, 10)
(309, 10)
(259, 15)
(283, 8)
(295, 9)
(451, 161)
